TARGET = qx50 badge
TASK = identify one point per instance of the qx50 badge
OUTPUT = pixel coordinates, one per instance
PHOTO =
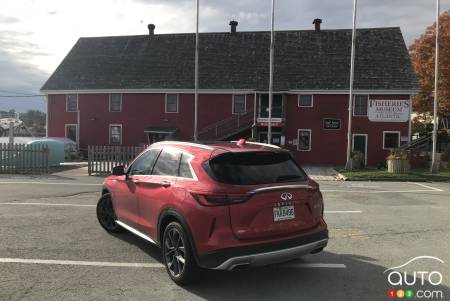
(286, 196)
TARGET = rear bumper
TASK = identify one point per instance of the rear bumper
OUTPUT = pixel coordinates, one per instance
(259, 255)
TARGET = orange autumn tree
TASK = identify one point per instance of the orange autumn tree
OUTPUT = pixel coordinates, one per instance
(422, 53)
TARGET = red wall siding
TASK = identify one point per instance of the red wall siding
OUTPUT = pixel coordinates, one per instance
(330, 146)
(139, 111)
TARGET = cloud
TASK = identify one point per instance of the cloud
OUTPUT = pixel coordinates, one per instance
(8, 19)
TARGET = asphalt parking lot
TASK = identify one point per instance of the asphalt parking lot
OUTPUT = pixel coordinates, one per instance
(52, 248)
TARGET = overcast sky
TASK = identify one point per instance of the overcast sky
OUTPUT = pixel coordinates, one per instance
(35, 35)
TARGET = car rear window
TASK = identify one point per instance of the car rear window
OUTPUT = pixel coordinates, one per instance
(252, 168)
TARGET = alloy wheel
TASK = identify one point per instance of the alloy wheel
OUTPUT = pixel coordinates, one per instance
(175, 252)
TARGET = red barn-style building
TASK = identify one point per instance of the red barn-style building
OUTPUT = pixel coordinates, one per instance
(132, 90)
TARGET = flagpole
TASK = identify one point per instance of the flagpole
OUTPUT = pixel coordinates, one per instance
(269, 125)
(434, 163)
(350, 96)
(196, 77)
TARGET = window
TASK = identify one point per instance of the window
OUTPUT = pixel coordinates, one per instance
(115, 134)
(72, 103)
(71, 132)
(171, 103)
(391, 139)
(115, 102)
(304, 140)
(238, 104)
(168, 163)
(144, 164)
(360, 105)
(305, 100)
(253, 168)
(185, 169)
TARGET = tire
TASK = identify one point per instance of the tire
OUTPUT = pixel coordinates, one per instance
(106, 216)
(176, 249)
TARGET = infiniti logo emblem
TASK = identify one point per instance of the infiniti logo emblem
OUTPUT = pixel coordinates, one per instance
(286, 196)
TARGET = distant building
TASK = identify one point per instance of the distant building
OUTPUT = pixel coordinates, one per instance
(134, 90)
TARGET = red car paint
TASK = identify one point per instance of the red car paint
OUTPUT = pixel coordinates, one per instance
(143, 201)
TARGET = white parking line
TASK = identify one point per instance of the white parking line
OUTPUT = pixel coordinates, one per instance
(343, 211)
(426, 186)
(147, 265)
(82, 263)
(49, 204)
(379, 191)
(50, 183)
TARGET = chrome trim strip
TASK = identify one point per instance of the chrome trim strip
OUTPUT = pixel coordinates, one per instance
(280, 187)
(278, 256)
(134, 231)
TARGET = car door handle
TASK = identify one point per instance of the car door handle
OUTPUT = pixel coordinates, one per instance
(164, 184)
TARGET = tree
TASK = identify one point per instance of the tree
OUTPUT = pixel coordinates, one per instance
(423, 54)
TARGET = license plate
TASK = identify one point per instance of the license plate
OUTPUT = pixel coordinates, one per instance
(283, 213)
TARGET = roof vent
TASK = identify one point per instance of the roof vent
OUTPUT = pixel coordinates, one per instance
(233, 25)
(317, 22)
(151, 29)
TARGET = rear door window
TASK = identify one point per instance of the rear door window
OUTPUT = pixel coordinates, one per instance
(252, 168)
(167, 163)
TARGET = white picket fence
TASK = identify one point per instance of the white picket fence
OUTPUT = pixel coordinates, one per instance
(23, 159)
(102, 158)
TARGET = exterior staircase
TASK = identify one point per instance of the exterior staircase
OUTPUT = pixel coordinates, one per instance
(226, 128)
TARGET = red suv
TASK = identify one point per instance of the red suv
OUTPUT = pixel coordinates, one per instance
(217, 206)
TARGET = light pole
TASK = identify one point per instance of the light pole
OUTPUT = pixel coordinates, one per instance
(269, 125)
(350, 96)
(196, 77)
(435, 163)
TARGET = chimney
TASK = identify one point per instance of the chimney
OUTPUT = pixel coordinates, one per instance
(317, 22)
(151, 29)
(233, 25)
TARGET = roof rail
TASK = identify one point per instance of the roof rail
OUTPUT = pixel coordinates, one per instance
(185, 143)
(258, 143)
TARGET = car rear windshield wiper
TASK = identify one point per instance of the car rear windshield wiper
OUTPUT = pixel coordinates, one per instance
(288, 177)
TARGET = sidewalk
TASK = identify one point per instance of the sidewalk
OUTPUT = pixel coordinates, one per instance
(322, 173)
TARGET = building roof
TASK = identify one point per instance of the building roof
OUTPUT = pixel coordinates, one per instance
(304, 60)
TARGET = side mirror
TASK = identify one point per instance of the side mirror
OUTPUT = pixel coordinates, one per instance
(118, 170)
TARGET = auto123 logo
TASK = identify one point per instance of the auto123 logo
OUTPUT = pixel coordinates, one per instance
(420, 283)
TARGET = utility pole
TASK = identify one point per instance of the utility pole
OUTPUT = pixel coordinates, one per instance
(196, 77)
(269, 125)
(350, 96)
(434, 162)
(11, 133)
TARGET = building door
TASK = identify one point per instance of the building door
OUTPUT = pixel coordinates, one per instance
(360, 145)
(276, 138)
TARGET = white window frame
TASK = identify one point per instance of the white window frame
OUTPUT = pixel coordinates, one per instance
(165, 103)
(121, 133)
(67, 102)
(367, 143)
(245, 103)
(391, 132)
(298, 140)
(354, 104)
(76, 132)
(312, 100)
(121, 102)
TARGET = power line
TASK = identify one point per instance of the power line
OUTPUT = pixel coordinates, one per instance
(15, 92)
(20, 96)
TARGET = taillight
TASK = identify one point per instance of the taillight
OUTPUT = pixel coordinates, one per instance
(317, 200)
(218, 199)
